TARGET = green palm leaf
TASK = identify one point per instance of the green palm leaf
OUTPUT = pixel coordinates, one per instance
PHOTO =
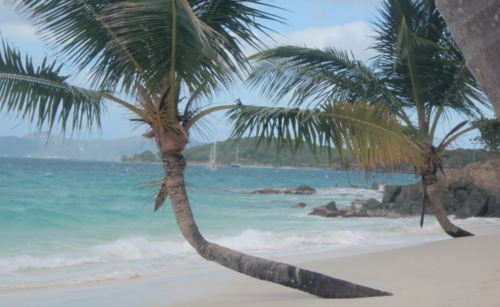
(312, 74)
(357, 132)
(42, 95)
(238, 22)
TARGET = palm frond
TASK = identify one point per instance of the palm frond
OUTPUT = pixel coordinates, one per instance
(238, 22)
(77, 30)
(359, 132)
(42, 95)
(313, 74)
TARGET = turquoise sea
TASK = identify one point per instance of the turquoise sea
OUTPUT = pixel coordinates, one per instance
(66, 222)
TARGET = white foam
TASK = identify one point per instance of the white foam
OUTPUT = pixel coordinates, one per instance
(257, 241)
(360, 193)
(137, 248)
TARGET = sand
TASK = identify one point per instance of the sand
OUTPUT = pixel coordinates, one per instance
(448, 272)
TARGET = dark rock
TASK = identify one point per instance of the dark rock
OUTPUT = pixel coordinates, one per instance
(331, 206)
(322, 211)
(475, 205)
(304, 189)
(496, 213)
(299, 205)
(319, 211)
(372, 204)
(469, 188)
(493, 206)
(390, 193)
(411, 192)
(461, 196)
(304, 192)
(459, 185)
(347, 211)
(267, 191)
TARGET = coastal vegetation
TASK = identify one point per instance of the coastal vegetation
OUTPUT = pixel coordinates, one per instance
(251, 156)
(419, 75)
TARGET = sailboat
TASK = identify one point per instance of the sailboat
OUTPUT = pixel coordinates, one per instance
(212, 166)
(236, 164)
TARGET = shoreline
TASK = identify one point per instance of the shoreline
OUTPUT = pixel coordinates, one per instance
(443, 272)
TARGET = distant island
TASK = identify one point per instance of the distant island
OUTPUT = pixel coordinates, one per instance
(145, 157)
(249, 156)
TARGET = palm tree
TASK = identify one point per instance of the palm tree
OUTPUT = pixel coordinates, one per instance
(476, 29)
(154, 53)
(419, 73)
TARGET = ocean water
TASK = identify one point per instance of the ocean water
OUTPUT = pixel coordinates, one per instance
(75, 222)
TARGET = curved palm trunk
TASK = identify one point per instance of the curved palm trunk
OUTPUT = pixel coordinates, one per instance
(430, 186)
(283, 274)
(475, 27)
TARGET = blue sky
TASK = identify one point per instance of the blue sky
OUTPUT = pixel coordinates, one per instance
(314, 23)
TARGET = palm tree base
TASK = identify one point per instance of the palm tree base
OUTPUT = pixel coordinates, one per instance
(459, 233)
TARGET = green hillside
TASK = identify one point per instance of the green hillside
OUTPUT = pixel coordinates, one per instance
(248, 155)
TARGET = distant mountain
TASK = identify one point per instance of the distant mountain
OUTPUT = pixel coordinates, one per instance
(11, 146)
(39, 146)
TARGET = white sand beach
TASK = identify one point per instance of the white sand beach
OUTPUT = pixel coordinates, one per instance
(448, 272)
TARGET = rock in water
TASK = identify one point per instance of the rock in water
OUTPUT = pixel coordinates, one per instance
(304, 189)
(267, 191)
(299, 205)
(331, 206)
(301, 190)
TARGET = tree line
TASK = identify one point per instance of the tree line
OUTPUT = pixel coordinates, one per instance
(250, 155)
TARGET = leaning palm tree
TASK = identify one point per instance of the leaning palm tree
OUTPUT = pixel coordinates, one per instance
(419, 74)
(161, 60)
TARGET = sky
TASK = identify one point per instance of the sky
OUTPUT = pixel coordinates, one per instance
(343, 24)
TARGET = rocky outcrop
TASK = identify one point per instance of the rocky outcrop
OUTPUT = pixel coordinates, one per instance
(267, 191)
(368, 208)
(462, 199)
(301, 190)
(304, 189)
(485, 175)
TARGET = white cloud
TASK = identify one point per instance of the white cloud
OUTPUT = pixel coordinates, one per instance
(18, 32)
(14, 27)
(353, 37)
